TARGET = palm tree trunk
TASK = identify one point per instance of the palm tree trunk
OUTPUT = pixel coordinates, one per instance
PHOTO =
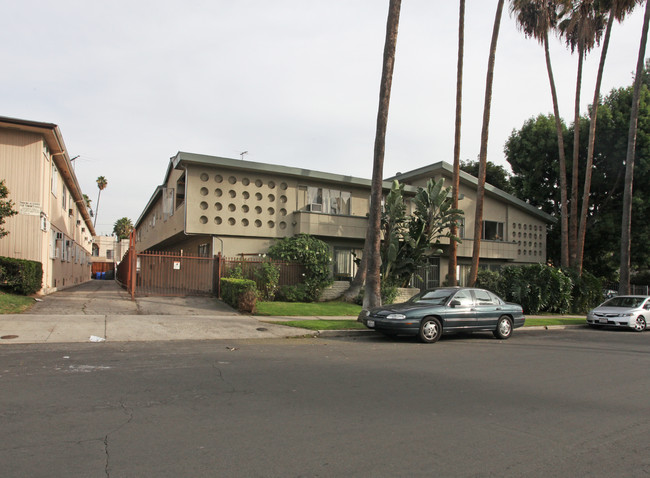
(372, 296)
(573, 218)
(480, 189)
(590, 149)
(453, 247)
(360, 277)
(626, 225)
(97, 208)
(564, 208)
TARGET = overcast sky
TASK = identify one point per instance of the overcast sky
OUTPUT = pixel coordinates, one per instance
(293, 82)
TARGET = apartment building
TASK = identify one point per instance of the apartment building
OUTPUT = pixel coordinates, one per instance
(208, 205)
(53, 225)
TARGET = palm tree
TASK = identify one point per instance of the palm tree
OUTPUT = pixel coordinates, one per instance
(122, 228)
(616, 9)
(480, 189)
(536, 18)
(87, 202)
(372, 295)
(101, 184)
(582, 29)
(626, 227)
(453, 248)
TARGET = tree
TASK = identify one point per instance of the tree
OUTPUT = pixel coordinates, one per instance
(536, 18)
(480, 189)
(617, 11)
(626, 222)
(6, 207)
(495, 175)
(101, 184)
(451, 273)
(122, 228)
(582, 29)
(372, 295)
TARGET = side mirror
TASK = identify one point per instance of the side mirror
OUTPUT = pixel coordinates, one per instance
(454, 303)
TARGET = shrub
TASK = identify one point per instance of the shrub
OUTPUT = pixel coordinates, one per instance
(313, 254)
(233, 289)
(246, 301)
(20, 276)
(268, 276)
(587, 291)
(388, 294)
(292, 293)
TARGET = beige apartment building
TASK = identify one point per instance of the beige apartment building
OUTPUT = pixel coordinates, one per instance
(53, 225)
(209, 205)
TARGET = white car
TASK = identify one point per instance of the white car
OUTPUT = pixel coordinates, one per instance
(632, 311)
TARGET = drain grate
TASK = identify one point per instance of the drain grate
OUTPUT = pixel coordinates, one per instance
(262, 329)
(6, 337)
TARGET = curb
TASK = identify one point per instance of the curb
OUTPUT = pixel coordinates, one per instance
(361, 333)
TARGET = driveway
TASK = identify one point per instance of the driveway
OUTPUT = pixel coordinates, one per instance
(106, 297)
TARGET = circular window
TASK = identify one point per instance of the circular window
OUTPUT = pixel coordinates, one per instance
(218, 178)
(283, 225)
(283, 186)
(204, 191)
(258, 196)
(232, 193)
(244, 222)
(218, 206)
(283, 212)
(271, 198)
(217, 220)
(258, 223)
(244, 208)
(231, 207)
(203, 220)
(204, 205)
(271, 224)
(258, 183)
(245, 181)
(258, 210)
(271, 185)
(218, 192)
(232, 179)
(231, 221)
(204, 177)
(246, 194)
(271, 211)
(283, 199)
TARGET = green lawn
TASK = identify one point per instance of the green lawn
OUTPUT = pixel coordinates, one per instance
(14, 304)
(290, 309)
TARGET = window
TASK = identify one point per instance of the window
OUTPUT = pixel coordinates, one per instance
(492, 231)
(460, 223)
(55, 181)
(464, 297)
(109, 253)
(204, 250)
(180, 191)
(328, 201)
(95, 250)
(345, 266)
(483, 297)
(63, 199)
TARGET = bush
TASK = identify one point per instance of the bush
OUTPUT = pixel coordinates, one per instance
(292, 293)
(313, 254)
(587, 291)
(268, 275)
(388, 294)
(20, 276)
(233, 289)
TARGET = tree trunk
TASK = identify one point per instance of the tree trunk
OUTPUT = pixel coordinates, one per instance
(452, 280)
(564, 207)
(573, 218)
(480, 189)
(372, 295)
(360, 277)
(97, 208)
(626, 225)
(590, 148)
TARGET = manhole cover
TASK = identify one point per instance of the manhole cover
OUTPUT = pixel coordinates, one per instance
(262, 329)
(5, 337)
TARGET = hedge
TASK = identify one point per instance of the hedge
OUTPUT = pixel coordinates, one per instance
(20, 276)
(232, 290)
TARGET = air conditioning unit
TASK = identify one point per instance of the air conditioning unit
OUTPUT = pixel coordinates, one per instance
(78, 222)
(70, 212)
(315, 207)
(59, 236)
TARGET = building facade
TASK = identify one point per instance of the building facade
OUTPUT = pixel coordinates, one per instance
(53, 225)
(209, 205)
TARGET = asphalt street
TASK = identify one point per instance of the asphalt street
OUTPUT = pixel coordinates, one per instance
(543, 403)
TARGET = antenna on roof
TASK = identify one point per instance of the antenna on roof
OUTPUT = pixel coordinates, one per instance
(242, 154)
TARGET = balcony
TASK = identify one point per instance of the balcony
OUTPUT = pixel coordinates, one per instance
(330, 225)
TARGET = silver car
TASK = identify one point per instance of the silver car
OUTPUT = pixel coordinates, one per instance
(631, 311)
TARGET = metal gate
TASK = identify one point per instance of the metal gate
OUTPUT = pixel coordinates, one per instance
(170, 273)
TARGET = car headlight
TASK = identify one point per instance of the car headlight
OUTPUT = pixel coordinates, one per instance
(627, 314)
(364, 313)
(396, 316)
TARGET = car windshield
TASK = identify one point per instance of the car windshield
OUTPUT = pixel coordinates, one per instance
(437, 297)
(626, 302)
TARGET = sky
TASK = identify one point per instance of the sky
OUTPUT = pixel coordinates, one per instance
(290, 82)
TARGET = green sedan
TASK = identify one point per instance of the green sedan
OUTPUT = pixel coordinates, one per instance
(446, 310)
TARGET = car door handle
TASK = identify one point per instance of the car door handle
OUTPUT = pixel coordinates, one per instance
(498, 308)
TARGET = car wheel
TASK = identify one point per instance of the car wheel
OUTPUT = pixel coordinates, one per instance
(639, 325)
(504, 328)
(430, 330)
